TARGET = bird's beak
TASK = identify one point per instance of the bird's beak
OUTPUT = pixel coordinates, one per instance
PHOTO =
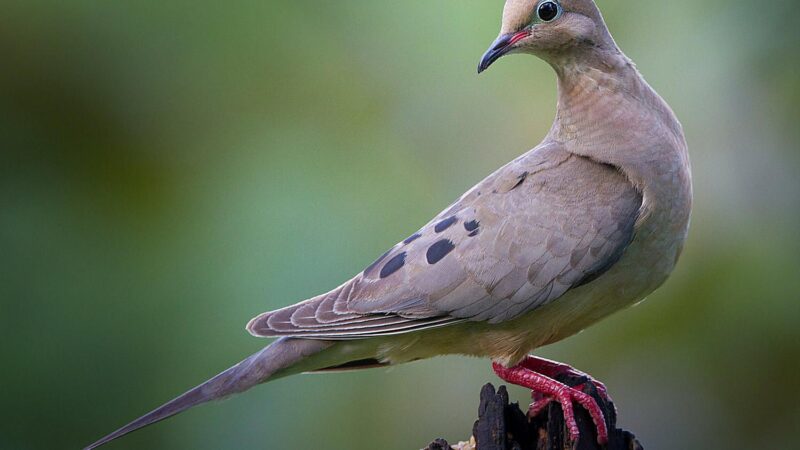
(500, 47)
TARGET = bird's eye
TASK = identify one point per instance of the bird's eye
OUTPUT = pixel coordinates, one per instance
(547, 11)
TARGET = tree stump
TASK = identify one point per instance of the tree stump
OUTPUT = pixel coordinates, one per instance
(504, 426)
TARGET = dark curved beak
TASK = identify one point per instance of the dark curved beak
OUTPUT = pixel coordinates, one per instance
(500, 47)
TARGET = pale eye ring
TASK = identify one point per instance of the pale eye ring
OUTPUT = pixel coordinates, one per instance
(547, 11)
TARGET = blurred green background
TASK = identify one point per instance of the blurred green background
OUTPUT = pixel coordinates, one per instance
(170, 169)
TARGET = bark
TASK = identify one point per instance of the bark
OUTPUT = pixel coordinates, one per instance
(504, 426)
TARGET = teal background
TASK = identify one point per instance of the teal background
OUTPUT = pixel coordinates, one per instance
(170, 169)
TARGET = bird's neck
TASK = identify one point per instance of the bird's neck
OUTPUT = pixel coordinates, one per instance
(594, 92)
(608, 112)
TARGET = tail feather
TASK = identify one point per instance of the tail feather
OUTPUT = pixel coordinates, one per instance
(282, 357)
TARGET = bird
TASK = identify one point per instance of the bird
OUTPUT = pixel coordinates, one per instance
(588, 222)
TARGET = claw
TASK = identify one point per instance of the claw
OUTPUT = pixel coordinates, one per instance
(547, 389)
(560, 371)
(540, 402)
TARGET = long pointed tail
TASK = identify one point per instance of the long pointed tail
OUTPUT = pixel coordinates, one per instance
(282, 357)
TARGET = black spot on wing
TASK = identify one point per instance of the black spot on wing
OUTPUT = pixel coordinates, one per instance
(439, 250)
(412, 238)
(393, 265)
(472, 225)
(474, 233)
(521, 177)
(445, 224)
(372, 266)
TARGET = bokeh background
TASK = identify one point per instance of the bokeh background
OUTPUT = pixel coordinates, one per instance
(170, 169)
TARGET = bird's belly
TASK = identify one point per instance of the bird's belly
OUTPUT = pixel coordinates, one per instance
(645, 265)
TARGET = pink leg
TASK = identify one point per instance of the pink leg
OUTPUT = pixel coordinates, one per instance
(558, 371)
(549, 388)
(540, 402)
(554, 370)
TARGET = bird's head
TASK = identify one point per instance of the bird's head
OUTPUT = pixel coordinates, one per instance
(554, 30)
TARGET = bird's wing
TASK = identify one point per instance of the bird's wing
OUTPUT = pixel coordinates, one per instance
(546, 222)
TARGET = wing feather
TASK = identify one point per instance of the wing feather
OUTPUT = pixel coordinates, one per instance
(545, 223)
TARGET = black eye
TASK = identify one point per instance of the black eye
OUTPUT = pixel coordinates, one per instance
(547, 11)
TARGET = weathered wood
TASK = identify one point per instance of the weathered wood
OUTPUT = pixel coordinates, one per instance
(439, 444)
(504, 426)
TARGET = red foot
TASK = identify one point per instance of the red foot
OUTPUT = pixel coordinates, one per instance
(540, 402)
(557, 370)
(546, 389)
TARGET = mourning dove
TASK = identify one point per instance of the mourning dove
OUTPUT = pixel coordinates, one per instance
(588, 222)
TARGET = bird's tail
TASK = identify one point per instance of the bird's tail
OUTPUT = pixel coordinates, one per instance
(282, 357)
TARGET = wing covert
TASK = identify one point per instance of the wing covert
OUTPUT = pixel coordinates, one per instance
(545, 223)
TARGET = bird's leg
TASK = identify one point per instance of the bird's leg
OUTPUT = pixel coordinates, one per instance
(548, 388)
(564, 373)
(540, 402)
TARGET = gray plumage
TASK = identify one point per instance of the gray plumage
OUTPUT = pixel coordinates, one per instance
(541, 231)
(587, 223)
